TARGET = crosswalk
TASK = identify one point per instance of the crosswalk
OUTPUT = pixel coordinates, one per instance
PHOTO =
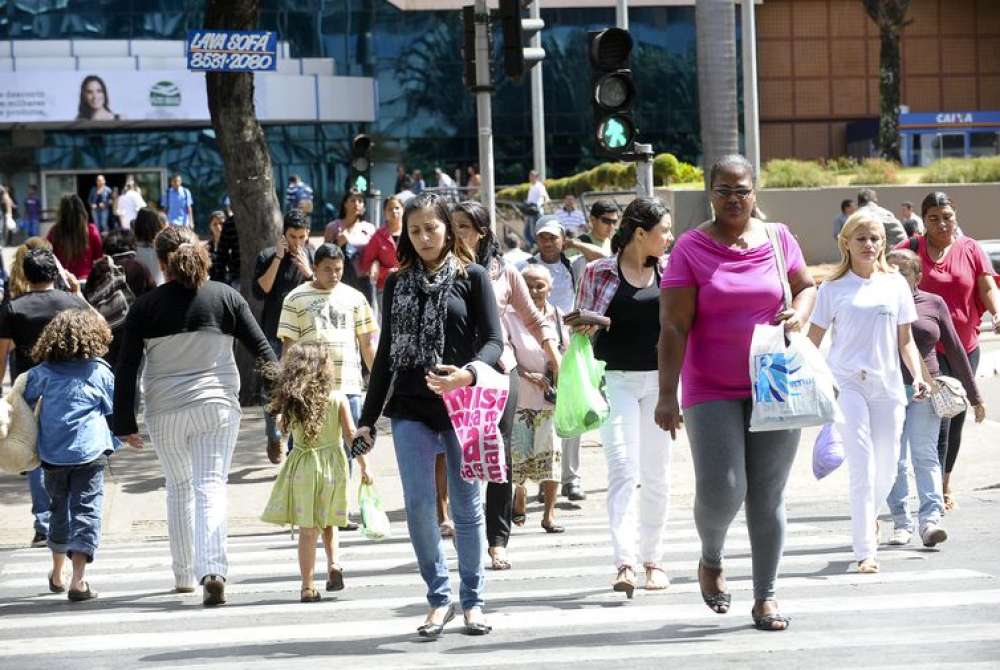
(555, 606)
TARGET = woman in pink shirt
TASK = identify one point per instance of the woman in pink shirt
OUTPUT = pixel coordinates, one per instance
(352, 234)
(75, 242)
(957, 269)
(720, 283)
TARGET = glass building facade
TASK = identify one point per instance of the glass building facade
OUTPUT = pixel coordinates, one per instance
(425, 118)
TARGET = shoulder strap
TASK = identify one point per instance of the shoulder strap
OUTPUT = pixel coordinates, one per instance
(914, 244)
(779, 258)
(559, 326)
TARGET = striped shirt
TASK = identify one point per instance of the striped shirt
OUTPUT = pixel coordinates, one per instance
(336, 318)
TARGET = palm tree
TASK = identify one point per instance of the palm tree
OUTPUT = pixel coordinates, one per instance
(715, 25)
(890, 17)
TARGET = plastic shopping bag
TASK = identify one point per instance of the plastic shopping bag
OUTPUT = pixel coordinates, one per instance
(828, 451)
(581, 405)
(374, 520)
(18, 430)
(791, 382)
(475, 413)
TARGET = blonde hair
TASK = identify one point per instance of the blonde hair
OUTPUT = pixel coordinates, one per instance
(19, 284)
(301, 386)
(855, 221)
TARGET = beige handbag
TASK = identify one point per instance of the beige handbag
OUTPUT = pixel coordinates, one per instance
(18, 430)
(948, 397)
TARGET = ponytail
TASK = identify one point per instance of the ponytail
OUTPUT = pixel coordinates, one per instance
(643, 213)
(185, 256)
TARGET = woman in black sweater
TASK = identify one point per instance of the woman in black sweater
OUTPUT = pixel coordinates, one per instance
(438, 315)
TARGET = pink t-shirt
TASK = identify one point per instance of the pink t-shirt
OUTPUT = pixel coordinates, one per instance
(956, 279)
(737, 289)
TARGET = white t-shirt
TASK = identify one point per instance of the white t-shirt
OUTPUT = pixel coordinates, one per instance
(563, 293)
(864, 315)
(129, 204)
(537, 195)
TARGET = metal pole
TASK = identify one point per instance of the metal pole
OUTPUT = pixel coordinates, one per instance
(484, 112)
(621, 14)
(751, 119)
(644, 170)
(537, 99)
(375, 208)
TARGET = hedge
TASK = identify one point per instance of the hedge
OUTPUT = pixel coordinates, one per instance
(963, 171)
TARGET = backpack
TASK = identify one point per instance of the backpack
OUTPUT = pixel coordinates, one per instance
(108, 292)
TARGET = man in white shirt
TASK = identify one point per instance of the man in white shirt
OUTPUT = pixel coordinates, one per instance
(912, 223)
(534, 205)
(129, 204)
(444, 181)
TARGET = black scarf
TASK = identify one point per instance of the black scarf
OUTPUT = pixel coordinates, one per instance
(419, 312)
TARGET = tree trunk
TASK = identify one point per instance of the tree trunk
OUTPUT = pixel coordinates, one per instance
(890, 17)
(715, 25)
(247, 163)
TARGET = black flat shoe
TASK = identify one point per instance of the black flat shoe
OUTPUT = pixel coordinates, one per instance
(80, 596)
(433, 630)
(717, 602)
(553, 528)
(215, 591)
(476, 627)
(53, 588)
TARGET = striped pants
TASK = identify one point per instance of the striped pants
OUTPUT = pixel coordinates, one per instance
(195, 447)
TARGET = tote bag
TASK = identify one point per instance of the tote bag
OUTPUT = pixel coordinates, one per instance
(792, 386)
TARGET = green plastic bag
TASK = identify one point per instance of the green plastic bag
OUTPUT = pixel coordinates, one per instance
(374, 520)
(581, 405)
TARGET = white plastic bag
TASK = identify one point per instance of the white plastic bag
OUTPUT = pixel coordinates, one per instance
(828, 451)
(374, 521)
(791, 383)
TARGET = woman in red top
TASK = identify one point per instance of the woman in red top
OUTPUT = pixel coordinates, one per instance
(75, 242)
(379, 257)
(957, 269)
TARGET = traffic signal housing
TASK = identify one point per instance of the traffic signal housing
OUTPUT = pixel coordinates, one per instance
(518, 57)
(614, 92)
(361, 164)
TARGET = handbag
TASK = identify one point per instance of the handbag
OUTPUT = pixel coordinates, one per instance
(948, 397)
(586, 317)
(792, 386)
(18, 430)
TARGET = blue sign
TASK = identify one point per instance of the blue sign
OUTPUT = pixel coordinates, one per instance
(949, 119)
(232, 50)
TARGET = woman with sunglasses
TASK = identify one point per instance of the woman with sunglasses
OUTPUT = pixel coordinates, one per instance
(720, 283)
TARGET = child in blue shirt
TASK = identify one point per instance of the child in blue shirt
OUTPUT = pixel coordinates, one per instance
(76, 388)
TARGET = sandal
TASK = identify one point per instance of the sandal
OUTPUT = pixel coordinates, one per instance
(767, 621)
(868, 566)
(499, 562)
(52, 585)
(654, 583)
(717, 602)
(80, 596)
(625, 582)
(949, 503)
(309, 595)
(334, 578)
(553, 528)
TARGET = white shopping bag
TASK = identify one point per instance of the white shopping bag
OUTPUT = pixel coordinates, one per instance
(791, 383)
(828, 451)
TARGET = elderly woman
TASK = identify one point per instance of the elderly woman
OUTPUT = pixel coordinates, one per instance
(724, 271)
(932, 328)
(957, 269)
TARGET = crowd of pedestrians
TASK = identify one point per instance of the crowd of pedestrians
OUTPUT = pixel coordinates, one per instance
(384, 321)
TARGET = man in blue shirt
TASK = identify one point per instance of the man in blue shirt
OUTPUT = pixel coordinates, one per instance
(298, 195)
(178, 203)
(100, 203)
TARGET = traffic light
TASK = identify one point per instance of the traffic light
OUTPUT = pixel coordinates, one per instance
(614, 92)
(518, 58)
(361, 164)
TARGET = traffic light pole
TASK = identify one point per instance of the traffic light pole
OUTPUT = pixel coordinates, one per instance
(537, 100)
(484, 112)
(644, 170)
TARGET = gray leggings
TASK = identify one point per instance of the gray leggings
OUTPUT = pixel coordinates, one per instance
(731, 465)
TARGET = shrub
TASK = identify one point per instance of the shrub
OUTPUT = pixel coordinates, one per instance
(841, 164)
(963, 171)
(875, 171)
(790, 173)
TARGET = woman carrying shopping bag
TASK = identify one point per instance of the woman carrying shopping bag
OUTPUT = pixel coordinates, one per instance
(721, 282)
(624, 287)
(869, 307)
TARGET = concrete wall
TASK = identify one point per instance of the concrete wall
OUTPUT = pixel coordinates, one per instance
(809, 212)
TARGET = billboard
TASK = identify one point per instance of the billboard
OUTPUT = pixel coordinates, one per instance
(232, 50)
(100, 97)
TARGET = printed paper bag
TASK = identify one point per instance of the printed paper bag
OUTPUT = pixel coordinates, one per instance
(475, 413)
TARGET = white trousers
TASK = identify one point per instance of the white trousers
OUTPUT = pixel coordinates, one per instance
(638, 453)
(195, 447)
(873, 423)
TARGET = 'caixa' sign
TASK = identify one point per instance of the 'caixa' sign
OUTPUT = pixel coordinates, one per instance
(949, 119)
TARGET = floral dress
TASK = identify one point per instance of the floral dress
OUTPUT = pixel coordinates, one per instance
(311, 488)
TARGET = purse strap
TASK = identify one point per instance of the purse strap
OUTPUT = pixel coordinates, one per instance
(779, 259)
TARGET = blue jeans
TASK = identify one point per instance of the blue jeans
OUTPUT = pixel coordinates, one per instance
(101, 219)
(417, 446)
(77, 494)
(270, 425)
(920, 438)
(39, 500)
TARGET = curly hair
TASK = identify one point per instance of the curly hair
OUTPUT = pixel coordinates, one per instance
(301, 386)
(73, 335)
(186, 258)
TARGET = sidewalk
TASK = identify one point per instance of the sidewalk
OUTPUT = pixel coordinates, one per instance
(135, 505)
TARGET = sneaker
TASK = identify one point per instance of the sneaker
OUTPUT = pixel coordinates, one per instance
(900, 536)
(933, 535)
(39, 540)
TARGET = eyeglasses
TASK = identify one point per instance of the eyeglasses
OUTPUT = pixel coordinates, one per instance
(725, 193)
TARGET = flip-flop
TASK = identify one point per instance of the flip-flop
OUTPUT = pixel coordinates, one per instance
(553, 528)
(499, 563)
(53, 588)
(519, 519)
(767, 621)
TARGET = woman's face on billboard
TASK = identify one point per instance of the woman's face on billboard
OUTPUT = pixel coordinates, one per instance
(93, 93)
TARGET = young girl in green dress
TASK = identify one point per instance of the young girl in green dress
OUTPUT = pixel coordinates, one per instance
(311, 489)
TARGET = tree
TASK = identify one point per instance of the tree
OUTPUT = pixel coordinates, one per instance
(715, 27)
(890, 17)
(247, 163)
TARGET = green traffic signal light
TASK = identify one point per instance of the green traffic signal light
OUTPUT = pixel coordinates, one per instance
(615, 132)
(360, 183)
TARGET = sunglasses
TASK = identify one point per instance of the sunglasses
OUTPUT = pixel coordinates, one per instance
(610, 220)
(725, 193)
